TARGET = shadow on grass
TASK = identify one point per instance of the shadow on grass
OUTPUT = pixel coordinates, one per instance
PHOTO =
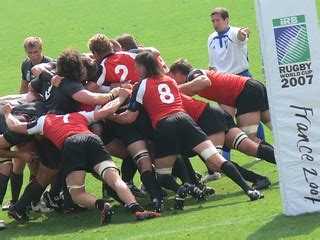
(54, 224)
(282, 226)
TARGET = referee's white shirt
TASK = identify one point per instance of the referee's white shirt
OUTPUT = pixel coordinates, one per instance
(226, 52)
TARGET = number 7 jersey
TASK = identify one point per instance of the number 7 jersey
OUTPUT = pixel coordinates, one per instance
(160, 97)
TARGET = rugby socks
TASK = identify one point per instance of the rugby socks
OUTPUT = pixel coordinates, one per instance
(191, 173)
(99, 204)
(266, 152)
(168, 182)
(32, 192)
(56, 187)
(112, 193)
(134, 207)
(3, 186)
(16, 185)
(68, 202)
(151, 184)
(248, 175)
(179, 169)
(231, 171)
(128, 169)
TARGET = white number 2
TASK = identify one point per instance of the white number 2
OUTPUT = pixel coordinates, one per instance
(165, 95)
(123, 70)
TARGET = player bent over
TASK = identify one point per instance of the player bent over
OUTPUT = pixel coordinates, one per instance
(83, 151)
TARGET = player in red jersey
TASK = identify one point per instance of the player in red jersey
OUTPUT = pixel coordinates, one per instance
(174, 130)
(114, 68)
(247, 95)
(82, 151)
(129, 43)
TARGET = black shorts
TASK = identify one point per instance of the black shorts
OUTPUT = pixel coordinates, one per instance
(82, 152)
(50, 155)
(127, 133)
(212, 120)
(176, 134)
(252, 98)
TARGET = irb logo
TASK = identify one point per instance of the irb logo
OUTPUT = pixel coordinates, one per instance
(288, 21)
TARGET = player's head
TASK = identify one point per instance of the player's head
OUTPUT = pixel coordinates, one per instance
(91, 68)
(220, 19)
(194, 74)
(147, 65)
(127, 42)
(179, 70)
(100, 45)
(116, 47)
(33, 48)
(70, 65)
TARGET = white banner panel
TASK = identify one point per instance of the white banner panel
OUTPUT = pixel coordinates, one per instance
(290, 47)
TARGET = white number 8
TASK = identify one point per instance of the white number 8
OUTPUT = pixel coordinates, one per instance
(165, 95)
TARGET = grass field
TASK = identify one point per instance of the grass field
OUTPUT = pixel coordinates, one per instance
(178, 29)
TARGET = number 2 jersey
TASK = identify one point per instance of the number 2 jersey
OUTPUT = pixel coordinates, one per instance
(160, 97)
(58, 127)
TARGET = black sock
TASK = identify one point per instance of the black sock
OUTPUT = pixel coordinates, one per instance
(231, 171)
(151, 184)
(168, 182)
(179, 169)
(247, 174)
(191, 173)
(3, 186)
(32, 191)
(266, 152)
(128, 169)
(112, 193)
(99, 204)
(134, 207)
(67, 202)
(56, 187)
(16, 185)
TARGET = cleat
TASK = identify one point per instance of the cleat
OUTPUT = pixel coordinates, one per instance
(40, 207)
(254, 195)
(106, 214)
(2, 225)
(208, 191)
(136, 191)
(211, 177)
(7, 206)
(157, 205)
(194, 191)
(21, 217)
(55, 203)
(180, 198)
(75, 208)
(146, 215)
(198, 176)
(261, 184)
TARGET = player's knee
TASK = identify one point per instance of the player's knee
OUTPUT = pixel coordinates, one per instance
(238, 140)
(250, 129)
(143, 154)
(208, 152)
(104, 166)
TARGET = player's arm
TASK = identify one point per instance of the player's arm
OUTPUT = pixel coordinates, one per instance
(91, 98)
(196, 85)
(125, 117)
(13, 123)
(111, 107)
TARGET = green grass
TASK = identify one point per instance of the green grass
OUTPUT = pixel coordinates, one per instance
(178, 29)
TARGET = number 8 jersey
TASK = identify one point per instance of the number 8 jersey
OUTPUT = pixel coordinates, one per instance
(160, 97)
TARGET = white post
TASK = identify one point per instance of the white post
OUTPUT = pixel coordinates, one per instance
(290, 47)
